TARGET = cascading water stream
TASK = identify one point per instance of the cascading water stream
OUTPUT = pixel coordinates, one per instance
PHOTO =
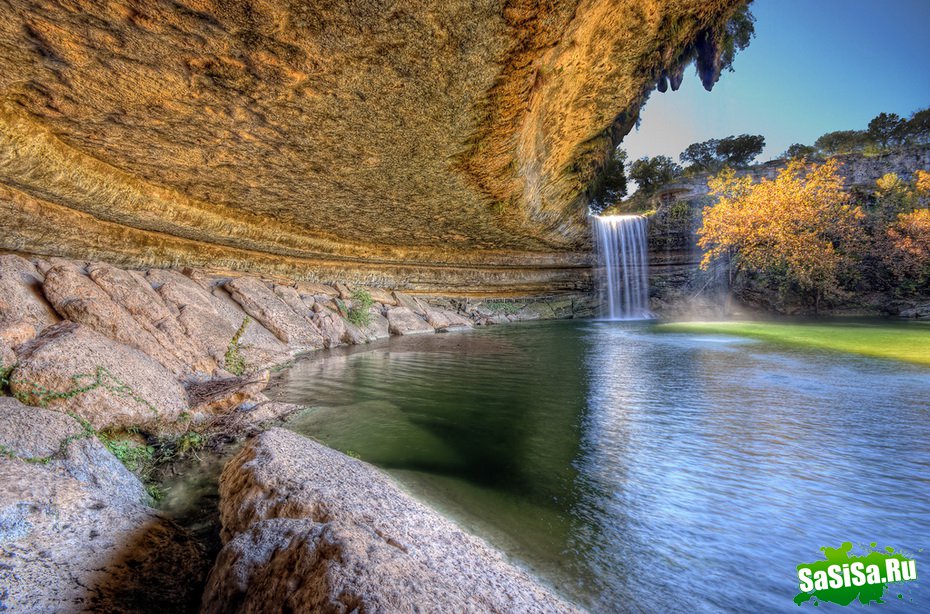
(623, 266)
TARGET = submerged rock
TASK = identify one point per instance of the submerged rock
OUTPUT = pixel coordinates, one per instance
(72, 368)
(307, 528)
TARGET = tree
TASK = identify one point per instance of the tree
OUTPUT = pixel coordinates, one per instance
(740, 151)
(842, 142)
(917, 128)
(701, 156)
(799, 151)
(910, 238)
(651, 173)
(798, 231)
(611, 186)
(886, 129)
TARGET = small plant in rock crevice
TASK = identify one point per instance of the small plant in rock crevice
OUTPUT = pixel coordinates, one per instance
(359, 314)
(234, 361)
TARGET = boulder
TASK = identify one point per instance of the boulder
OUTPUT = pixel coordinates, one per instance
(16, 333)
(292, 299)
(262, 304)
(377, 327)
(918, 311)
(380, 295)
(307, 528)
(403, 321)
(443, 319)
(410, 302)
(61, 443)
(306, 288)
(131, 291)
(260, 346)
(212, 317)
(345, 293)
(335, 329)
(71, 368)
(71, 547)
(79, 299)
(21, 298)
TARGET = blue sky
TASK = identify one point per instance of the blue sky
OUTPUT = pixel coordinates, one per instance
(814, 66)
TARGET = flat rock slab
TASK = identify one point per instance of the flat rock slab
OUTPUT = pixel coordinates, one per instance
(310, 529)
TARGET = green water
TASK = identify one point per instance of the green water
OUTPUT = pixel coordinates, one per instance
(635, 470)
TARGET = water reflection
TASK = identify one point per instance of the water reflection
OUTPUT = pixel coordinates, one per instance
(635, 470)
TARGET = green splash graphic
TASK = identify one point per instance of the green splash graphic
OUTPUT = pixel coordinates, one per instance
(844, 595)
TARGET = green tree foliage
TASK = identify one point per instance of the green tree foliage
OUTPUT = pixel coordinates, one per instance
(611, 185)
(740, 151)
(886, 129)
(799, 150)
(842, 142)
(917, 128)
(701, 156)
(652, 173)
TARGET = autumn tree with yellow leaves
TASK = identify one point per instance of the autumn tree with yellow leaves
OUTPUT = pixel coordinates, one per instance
(909, 236)
(799, 232)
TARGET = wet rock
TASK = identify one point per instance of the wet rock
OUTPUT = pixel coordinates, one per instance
(21, 298)
(403, 321)
(262, 304)
(71, 368)
(309, 529)
(67, 546)
(61, 443)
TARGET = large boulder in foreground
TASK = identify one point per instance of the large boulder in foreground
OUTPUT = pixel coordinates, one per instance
(62, 444)
(67, 546)
(310, 529)
(71, 368)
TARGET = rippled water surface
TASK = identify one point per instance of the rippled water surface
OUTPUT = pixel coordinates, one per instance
(637, 470)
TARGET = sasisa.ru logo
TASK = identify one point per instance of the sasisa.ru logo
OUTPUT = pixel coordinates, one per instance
(842, 578)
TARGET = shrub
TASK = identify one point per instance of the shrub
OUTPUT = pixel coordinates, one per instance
(234, 361)
(358, 313)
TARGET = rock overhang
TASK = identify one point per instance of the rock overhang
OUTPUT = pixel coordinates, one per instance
(431, 143)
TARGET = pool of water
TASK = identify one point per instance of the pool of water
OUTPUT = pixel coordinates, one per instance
(636, 470)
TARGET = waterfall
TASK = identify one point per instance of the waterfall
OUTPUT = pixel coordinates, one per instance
(623, 266)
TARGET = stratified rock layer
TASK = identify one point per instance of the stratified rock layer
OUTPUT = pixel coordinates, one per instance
(308, 529)
(431, 145)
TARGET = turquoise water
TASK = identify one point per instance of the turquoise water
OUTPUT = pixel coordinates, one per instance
(640, 471)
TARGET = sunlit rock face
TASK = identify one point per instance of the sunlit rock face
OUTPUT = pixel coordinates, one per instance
(365, 140)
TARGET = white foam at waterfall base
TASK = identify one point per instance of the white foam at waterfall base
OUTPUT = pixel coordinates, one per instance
(623, 266)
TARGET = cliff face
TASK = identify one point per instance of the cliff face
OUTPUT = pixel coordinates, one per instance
(680, 288)
(426, 144)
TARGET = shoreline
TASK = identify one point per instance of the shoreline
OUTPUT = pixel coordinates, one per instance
(140, 371)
